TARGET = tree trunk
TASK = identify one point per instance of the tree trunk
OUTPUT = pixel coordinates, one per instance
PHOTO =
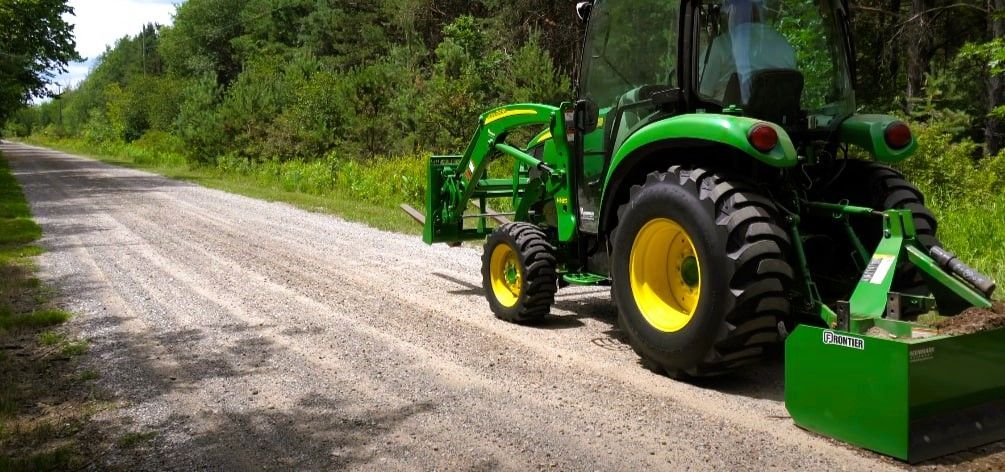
(892, 51)
(917, 50)
(994, 129)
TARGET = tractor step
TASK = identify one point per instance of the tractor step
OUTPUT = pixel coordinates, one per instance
(586, 278)
(910, 398)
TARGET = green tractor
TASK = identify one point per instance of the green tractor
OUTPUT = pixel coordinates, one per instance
(704, 173)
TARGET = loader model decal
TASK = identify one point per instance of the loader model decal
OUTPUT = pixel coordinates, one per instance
(836, 339)
(879, 266)
(500, 114)
(922, 354)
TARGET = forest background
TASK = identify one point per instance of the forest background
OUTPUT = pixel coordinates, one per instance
(322, 101)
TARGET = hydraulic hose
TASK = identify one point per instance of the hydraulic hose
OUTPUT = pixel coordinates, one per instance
(948, 261)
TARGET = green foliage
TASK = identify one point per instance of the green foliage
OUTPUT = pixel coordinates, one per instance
(133, 439)
(975, 231)
(284, 80)
(75, 348)
(965, 189)
(469, 77)
(58, 459)
(198, 122)
(533, 76)
(990, 55)
(35, 43)
(36, 319)
(50, 338)
(201, 41)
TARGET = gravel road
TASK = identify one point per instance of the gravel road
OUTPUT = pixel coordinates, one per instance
(244, 334)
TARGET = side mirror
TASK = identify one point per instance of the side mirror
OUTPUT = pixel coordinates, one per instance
(586, 115)
(583, 10)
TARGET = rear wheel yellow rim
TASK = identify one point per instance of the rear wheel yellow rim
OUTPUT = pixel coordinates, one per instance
(665, 275)
(507, 278)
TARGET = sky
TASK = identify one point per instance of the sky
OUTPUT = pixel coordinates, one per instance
(99, 23)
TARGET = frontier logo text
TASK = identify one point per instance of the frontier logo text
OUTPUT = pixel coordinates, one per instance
(831, 337)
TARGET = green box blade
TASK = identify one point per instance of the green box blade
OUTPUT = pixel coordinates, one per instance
(913, 399)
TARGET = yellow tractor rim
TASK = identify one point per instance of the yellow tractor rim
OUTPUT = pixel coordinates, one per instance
(665, 275)
(507, 279)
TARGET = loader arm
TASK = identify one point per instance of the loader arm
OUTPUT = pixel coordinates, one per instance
(453, 181)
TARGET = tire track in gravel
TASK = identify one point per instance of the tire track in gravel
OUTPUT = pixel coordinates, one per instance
(464, 377)
(309, 271)
(358, 353)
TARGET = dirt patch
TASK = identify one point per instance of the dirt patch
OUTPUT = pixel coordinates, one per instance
(974, 320)
(878, 332)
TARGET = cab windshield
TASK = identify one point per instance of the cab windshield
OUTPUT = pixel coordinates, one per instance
(764, 56)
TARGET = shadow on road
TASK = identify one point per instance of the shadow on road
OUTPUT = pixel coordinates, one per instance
(762, 380)
(316, 432)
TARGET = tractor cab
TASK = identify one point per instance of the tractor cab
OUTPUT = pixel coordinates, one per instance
(784, 61)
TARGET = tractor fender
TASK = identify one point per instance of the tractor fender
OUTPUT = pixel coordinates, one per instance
(702, 130)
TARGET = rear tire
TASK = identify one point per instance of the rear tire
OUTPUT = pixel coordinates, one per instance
(728, 315)
(880, 187)
(518, 272)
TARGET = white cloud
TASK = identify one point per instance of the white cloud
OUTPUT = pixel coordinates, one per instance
(99, 23)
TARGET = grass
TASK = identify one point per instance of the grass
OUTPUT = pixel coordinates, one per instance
(364, 192)
(36, 319)
(75, 348)
(975, 231)
(51, 338)
(44, 408)
(134, 439)
(61, 458)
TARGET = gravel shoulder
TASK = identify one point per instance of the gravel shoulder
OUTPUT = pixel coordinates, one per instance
(240, 334)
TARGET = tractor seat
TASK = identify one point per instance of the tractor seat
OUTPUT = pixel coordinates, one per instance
(775, 96)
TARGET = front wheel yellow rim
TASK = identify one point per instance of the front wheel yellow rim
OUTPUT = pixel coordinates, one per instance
(665, 275)
(507, 278)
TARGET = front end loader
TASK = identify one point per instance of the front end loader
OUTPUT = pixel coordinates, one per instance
(714, 173)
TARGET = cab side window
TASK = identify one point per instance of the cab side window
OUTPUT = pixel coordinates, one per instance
(630, 44)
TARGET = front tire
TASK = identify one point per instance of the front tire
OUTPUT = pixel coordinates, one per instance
(700, 272)
(518, 272)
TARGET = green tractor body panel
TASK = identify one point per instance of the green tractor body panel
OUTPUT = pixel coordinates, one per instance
(913, 399)
(867, 132)
(723, 129)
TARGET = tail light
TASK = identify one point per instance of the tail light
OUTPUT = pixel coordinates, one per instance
(897, 135)
(763, 137)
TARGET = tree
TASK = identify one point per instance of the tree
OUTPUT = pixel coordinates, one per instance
(200, 41)
(994, 134)
(35, 44)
